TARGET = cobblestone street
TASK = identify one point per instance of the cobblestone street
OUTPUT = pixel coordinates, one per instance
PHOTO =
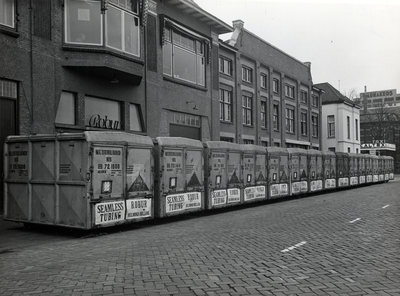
(338, 243)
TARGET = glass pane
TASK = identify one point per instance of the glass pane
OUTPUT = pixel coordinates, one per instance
(66, 109)
(184, 64)
(114, 28)
(167, 58)
(101, 113)
(132, 40)
(7, 13)
(83, 22)
(134, 118)
(200, 70)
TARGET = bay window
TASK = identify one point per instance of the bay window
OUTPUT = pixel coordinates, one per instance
(117, 29)
(7, 13)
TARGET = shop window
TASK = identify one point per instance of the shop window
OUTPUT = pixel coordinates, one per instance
(225, 66)
(184, 57)
(186, 119)
(84, 24)
(66, 109)
(7, 13)
(225, 105)
(247, 106)
(102, 113)
(135, 118)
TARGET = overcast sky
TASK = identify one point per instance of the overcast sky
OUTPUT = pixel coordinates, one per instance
(350, 43)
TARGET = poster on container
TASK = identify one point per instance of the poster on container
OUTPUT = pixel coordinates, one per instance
(182, 202)
(17, 158)
(107, 171)
(218, 197)
(194, 168)
(109, 212)
(138, 171)
(252, 193)
(138, 208)
(233, 195)
(172, 165)
(218, 169)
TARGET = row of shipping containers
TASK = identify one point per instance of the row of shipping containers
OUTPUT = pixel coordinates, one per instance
(96, 179)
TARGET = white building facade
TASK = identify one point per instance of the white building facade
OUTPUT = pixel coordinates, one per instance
(340, 121)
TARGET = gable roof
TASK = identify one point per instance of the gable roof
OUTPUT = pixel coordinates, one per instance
(332, 96)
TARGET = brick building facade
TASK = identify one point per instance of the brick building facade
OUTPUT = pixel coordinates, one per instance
(148, 67)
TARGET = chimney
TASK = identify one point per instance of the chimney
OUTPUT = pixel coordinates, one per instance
(238, 26)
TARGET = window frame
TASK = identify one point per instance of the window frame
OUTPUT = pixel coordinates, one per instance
(303, 96)
(348, 128)
(264, 81)
(303, 123)
(247, 108)
(198, 51)
(275, 85)
(275, 114)
(11, 25)
(263, 113)
(247, 74)
(314, 125)
(290, 119)
(315, 100)
(225, 104)
(330, 120)
(73, 96)
(289, 91)
(225, 66)
(104, 28)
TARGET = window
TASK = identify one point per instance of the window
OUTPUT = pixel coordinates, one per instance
(263, 81)
(186, 119)
(226, 139)
(348, 127)
(247, 105)
(84, 24)
(263, 113)
(135, 118)
(184, 57)
(7, 13)
(225, 66)
(8, 88)
(225, 105)
(102, 113)
(289, 120)
(314, 125)
(314, 101)
(289, 91)
(66, 109)
(356, 124)
(247, 141)
(303, 97)
(303, 123)
(275, 85)
(276, 116)
(247, 74)
(331, 126)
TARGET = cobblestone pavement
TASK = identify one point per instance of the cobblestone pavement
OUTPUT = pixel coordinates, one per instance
(338, 243)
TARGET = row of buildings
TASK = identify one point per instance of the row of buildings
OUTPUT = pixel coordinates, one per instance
(159, 68)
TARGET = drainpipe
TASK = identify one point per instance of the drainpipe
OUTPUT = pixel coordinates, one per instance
(31, 62)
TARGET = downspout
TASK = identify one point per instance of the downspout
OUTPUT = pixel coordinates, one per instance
(31, 63)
